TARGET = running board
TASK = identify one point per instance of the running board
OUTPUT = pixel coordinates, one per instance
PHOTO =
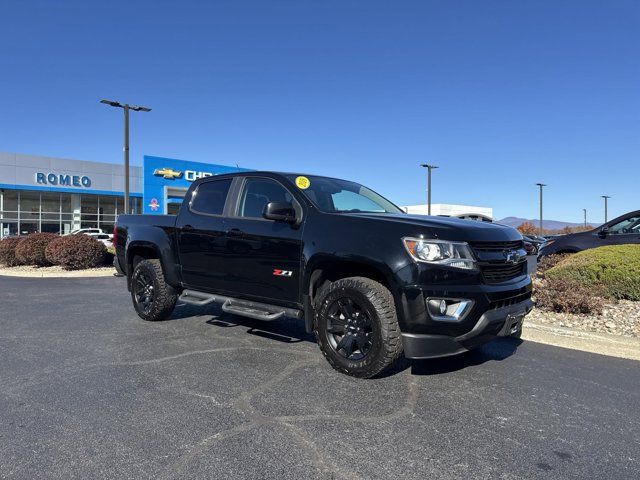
(243, 308)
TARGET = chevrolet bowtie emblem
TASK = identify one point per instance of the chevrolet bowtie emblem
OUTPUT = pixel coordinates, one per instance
(512, 256)
(167, 173)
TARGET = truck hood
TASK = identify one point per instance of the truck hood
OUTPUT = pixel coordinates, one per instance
(446, 228)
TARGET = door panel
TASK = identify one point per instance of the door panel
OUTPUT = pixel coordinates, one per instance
(263, 257)
(201, 229)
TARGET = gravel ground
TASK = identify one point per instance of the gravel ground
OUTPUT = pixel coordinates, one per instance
(55, 271)
(622, 318)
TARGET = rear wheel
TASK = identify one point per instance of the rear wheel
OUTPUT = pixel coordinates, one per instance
(152, 297)
(357, 327)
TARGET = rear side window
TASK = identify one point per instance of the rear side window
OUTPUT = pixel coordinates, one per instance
(209, 197)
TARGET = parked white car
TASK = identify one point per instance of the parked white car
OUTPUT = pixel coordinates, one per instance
(102, 237)
(90, 231)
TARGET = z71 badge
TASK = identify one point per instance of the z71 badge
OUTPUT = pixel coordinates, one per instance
(282, 273)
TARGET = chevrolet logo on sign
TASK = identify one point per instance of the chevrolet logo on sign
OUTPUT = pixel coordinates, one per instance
(167, 173)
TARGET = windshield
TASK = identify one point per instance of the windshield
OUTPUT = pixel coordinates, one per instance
(339, 196)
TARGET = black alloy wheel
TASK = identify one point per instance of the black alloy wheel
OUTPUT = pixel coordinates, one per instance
(153, 298)
(143, 291)
(356, 326)
(349, 329)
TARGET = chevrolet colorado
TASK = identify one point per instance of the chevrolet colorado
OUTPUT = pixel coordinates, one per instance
(368, 279)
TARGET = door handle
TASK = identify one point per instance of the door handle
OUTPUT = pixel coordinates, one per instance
(187, 227)
(234, 232)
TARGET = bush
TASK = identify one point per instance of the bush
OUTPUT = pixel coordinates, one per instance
(76, 252)
(109, 255)
(615, 270)
(52, 252)
(568, 296)
(31, 249)
(550, 261)
(8, 251)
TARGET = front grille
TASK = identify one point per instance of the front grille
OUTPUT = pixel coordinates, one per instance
(492, 260)
(496, 246)
(502, 272)
(506, 302)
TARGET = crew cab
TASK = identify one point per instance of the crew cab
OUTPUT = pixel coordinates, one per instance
(371, 281)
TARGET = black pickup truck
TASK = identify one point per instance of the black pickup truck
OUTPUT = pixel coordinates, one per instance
(368, 279)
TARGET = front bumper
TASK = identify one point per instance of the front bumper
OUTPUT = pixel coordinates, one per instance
(493, 323)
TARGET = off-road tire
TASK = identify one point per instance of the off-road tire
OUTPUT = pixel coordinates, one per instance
(517, 333)
(164, 295)
(378, 301)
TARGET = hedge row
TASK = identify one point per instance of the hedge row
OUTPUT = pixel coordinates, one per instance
(71, 252)
(613, 270)
(8, 251)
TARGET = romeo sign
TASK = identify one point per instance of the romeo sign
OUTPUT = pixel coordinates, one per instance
(63, 180)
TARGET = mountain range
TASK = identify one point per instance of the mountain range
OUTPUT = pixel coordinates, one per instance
(546, 224)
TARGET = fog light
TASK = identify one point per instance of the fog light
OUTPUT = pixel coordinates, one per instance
(448, 309)
(443, 307)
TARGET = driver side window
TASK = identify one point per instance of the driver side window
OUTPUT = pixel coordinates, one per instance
(628, 225)
(257, 192)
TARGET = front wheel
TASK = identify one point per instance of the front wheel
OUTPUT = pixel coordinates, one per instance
(152, 297)
(517, 333)
(357, 326)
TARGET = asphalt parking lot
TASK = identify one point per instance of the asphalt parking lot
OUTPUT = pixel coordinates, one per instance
(88, 390)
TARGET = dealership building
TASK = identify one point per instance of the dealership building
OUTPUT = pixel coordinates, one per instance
(466, 212)
(44, 194)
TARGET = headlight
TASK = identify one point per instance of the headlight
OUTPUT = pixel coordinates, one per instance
(440, 252)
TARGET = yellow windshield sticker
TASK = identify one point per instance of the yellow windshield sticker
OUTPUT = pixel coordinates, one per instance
(302, 182)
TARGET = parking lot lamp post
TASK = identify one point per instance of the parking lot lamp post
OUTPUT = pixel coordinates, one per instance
(429, 168)
(126, 107)
(541, 185)
(606, 197)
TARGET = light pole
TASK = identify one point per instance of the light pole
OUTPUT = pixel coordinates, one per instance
(541, 185)
(585, 217)
(606, 197)
(429, 168)
(126, 107)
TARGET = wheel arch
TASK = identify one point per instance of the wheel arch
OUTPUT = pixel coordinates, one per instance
(330, 269)
(140, 250)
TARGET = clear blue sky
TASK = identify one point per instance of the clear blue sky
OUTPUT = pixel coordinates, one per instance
(499, 94)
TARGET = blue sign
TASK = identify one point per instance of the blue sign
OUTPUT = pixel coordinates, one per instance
(167, 179)
(63, 180)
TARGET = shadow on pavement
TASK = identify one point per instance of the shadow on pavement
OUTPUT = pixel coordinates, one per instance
(292, 331)
(496, 350)
(285, 330)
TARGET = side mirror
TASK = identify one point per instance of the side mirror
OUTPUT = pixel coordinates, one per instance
(280, 212)
(604, 231)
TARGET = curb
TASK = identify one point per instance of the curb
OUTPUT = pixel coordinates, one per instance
(601, 343)
(109, 272)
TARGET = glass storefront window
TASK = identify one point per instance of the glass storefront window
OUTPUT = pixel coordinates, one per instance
(50, 205)
(8, 213)
(32, 211)
(30, 208)
(9, 208)
(89, 211)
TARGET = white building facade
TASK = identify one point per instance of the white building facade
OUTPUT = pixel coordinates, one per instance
(468, 212)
